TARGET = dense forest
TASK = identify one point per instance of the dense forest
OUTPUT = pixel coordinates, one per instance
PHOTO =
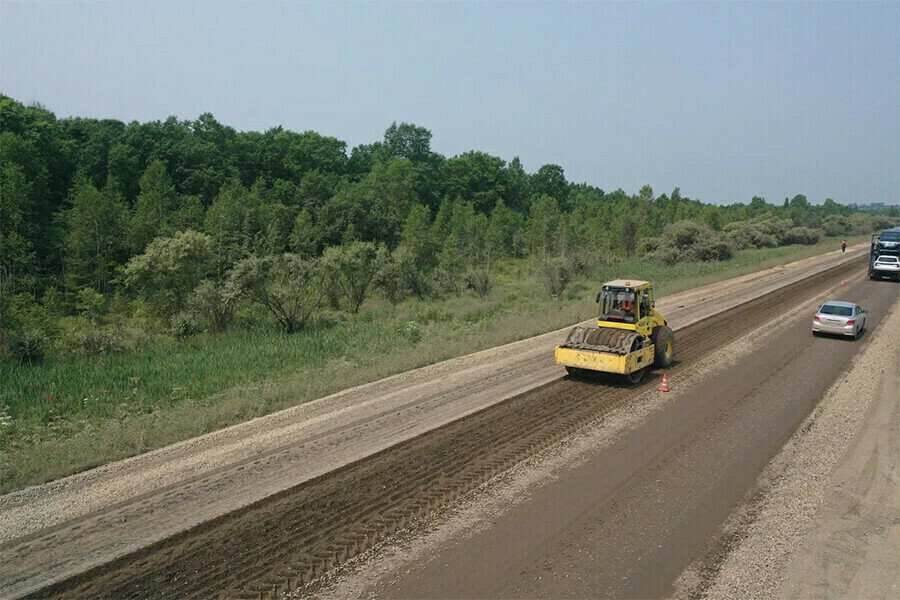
(179, 223)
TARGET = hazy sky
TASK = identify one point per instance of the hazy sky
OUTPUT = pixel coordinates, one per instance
(725, 100)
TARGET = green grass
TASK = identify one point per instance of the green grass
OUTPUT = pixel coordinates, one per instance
(66, 415)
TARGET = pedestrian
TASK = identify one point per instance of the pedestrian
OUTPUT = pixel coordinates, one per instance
(843, 245)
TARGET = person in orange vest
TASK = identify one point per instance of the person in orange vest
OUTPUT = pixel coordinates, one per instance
(843, 245)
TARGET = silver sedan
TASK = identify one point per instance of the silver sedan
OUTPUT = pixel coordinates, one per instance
(840, 318)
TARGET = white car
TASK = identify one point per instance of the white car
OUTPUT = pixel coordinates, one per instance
(886, 266)
(840, 318)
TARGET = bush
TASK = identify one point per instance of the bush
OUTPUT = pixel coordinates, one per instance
(170, 269)
(801, 235)
(687, 241)
(349, 271)
(211, 306)
(835, 225)
(556, 274)
(90, 304)
(98, 341)
(27, 345)
(750, 234)
(184, 325)
(479, 279)
(287, 286)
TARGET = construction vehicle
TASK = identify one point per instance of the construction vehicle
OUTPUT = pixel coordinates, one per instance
(630, 335)
(885, 243)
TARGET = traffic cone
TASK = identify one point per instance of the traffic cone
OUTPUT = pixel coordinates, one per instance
(843, 282)
(665, 384)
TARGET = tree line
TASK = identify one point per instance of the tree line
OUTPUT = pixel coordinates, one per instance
(176, 210)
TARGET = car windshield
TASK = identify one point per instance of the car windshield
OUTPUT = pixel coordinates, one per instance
(890, 236)
(617, 305)
(888, 259)
(831, 309)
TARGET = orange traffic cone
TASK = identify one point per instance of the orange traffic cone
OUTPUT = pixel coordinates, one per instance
(665, 384)
(843, 282)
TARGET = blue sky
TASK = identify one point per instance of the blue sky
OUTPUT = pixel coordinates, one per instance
(725, 100)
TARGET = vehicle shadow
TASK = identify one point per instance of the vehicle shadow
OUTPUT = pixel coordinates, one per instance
(652, 377)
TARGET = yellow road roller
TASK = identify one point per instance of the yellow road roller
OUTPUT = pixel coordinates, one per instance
(630, 335)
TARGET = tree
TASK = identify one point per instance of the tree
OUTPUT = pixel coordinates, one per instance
(287, 286)
(155, 207)
(417, 236)
(543, 223)
(407, 141)
(351, 268)
(630, 224)
(550, 180)
(304, 238)
(170, 269)
(475, 177)
(93, 241)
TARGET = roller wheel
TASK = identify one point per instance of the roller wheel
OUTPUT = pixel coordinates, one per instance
(664, 343)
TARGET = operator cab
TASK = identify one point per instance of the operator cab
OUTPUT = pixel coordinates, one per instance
(624, 301)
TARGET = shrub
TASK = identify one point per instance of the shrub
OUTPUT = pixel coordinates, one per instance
(211, 306)
(686, 241)
(170, 269)
(349, 270)
(801, 235)
(287, 286)
(750, 234)
(184, 325)
(27, 345)
(556, 274)
(389, 274)
(90, 304)
(836, 225)
(479, 279)
(96, 341)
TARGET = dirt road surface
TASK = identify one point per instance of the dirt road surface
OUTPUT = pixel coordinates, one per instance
(825, 522)
(626, 521)
(52, 532)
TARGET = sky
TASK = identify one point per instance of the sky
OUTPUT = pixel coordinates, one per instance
(724, 100)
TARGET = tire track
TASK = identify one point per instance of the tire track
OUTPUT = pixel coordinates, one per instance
(294, 537)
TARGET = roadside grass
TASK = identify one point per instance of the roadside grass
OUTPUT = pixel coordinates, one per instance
(67, 415)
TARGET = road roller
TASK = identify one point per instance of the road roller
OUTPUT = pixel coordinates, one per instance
(630, 335)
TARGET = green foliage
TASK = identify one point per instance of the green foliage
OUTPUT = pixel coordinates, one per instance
(686, 241)
(287, 286)
(212, 306)
(556, 273)
(83, 201)
(801, 235)
(94, 241)
(155, 207)
(352, 269)
(304, 239)
(170, 269)
(90, 304)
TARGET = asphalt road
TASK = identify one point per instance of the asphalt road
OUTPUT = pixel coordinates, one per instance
(626, 522)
